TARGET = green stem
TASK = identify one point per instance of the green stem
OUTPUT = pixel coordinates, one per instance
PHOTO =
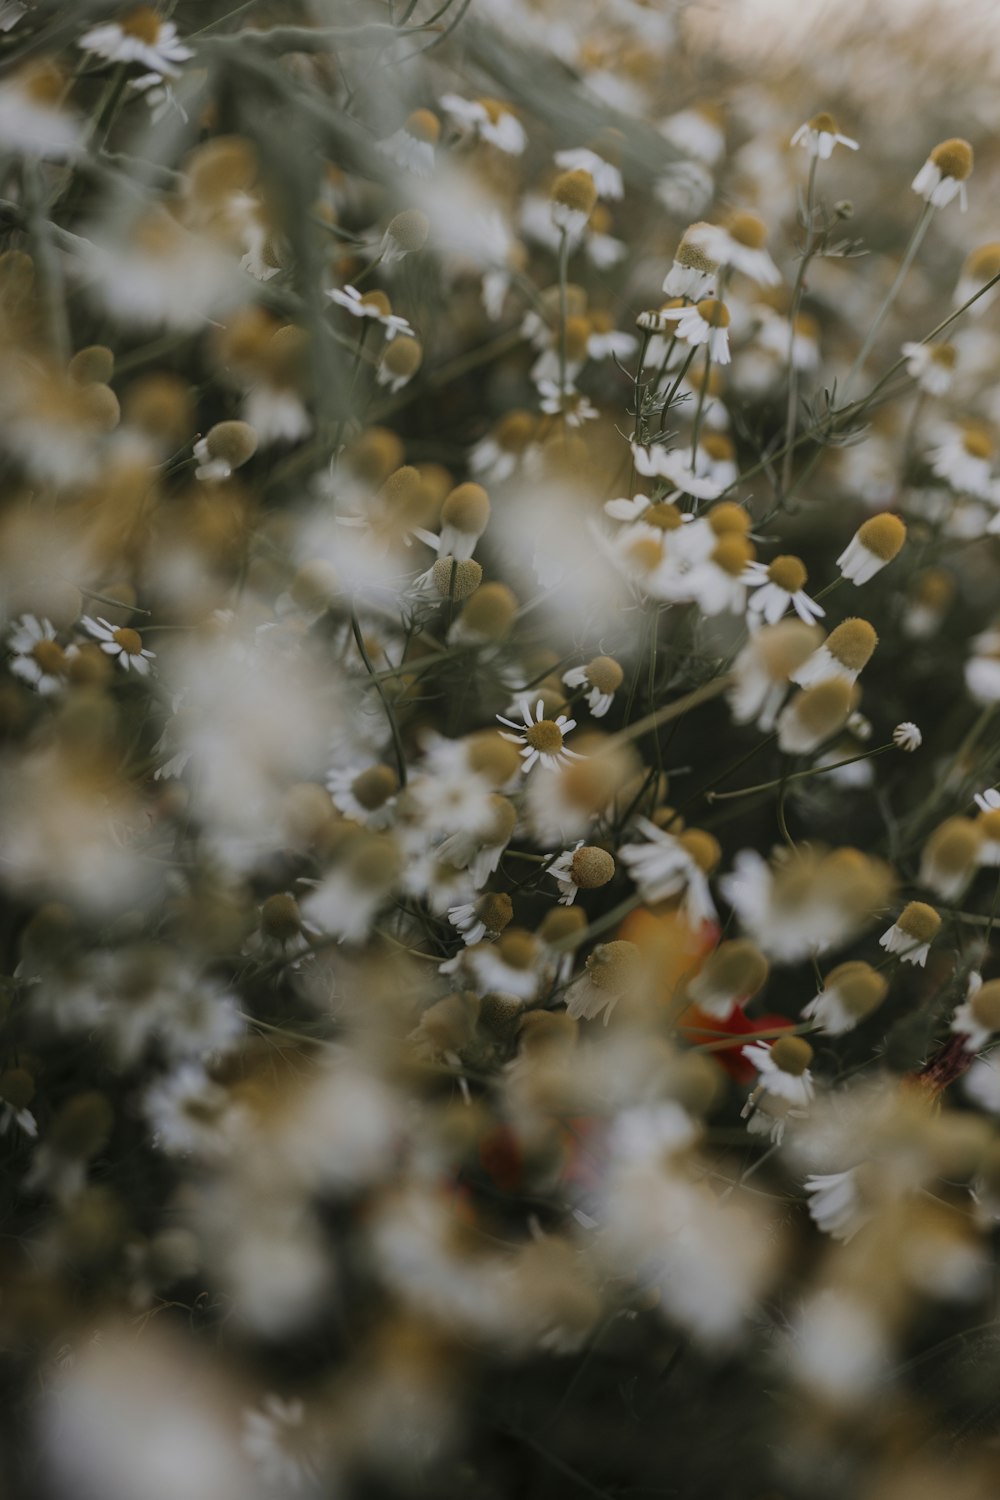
(793, 312)
(780, 781)
(916, 238)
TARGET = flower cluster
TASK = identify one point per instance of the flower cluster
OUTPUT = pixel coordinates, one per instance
(499, 824)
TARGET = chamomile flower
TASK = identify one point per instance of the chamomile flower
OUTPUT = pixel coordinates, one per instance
(978, 1017)
(36, 656)
(943, 175)
(988, 801)
(763, 668)
(602, 677)
(730, 978)
(694, 272)
(612, 971)
(607, 177)
(932, 366)
(814, 715)
(226, 447)
(586, 867)
(777, 586)
(658, 462)
(707, 322)
(836, 1204)
(572, 405)
(851, 992)
(980, 268)
(122, 643)
(666, 866)
(370, 305)
(488, 917)
(412, 145)
(964, 459)
(820, 135)
(367, 796)
(543, 740)
(510, 966)
(784, 1088)
(572, 199)
(912, 933)
(950, 857)
(489, 120)
(873, 546)
(401, 360)
(739, 244)
(33, 120)
(141, 36)
(845, 653)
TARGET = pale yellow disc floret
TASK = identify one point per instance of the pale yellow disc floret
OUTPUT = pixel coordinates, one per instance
(605, 674)
(984, 263)
(545, 737)
(467, 508)
(664, 515)
(403, 357)
(882, 535)
(613, 966)
(409, 229)
(591, 867)
(456, 580)
(491, 611)
(728, 516)
(690, 254)
(280, 917)
(737, 968)
(518, 948)
(374, 787)
(919, 921)
(788, 572)
(576, 191)
(852, 643)
(713, 312)
(860, 987)
(953, 846)
(496, 910)
(825, 707)
(703, 847)
(747, 229)
(792, 1054)
(953, 158)
(234, 442)
(424, 125)
(732, 553)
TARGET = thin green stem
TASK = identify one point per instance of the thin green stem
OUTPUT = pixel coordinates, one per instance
(916, 239)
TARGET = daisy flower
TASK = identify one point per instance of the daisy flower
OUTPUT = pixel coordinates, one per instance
(873, 546)
(850, 992)
(574, 407)
(707, 322)
(488, 119)
(912, 933)
(739, 243)
(666, 866)
(572, 201)
(371, 305)
(988, 801)
(122, 642)
(610, 972)
(32, 120)
(814, 714)
(367, 796)
(602, 678)
(543, 740)
(36, 656)
(226, 447)
(658, 462)
(979, 269)
(486, 918)
(982, 670)
(932, 366)
(943, 175)
(835, 1203)
(730, 977)
(776, 586)
(845, 653)
(607, 177)
(978, 1018)
(584, 868)
(412, 145)
(964, 458)
(141, 36)
(510, 966)
(763, 667)
(819, 135)
(784, 1088)
(693, 271)
(950, 857)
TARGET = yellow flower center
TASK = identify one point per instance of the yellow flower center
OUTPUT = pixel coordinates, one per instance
(977, 442)
(852, 643)
(824, 122)
(788, 573)
(748, 229)
(545, 736)
(49, 656)
(714, 312)
(645, 554)
(953, 158)
(130, 641)
(142, 23)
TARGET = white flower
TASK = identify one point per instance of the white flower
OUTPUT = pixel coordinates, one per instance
(663, 867)
(739, 244)
(707, 322)
(601, 677)
(140, 37)
(819, 136)
(988, 801)
(571, 404)
(873, 546)
(978, 1017)
(835, 1204)
(784, 1088)
(542, 740)
(607, 177)
(932, 366)
(36, 657)
(964, 458)
(907, 736)
(412, 145)
(370, 305)
(32, 120)
(942, 176)
(776, 586)
(489, 120)
(123, 643)
(982, 1081)
(850, 993)
(365, 794)
(982, 670)
(661, 463)
(912, 933)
